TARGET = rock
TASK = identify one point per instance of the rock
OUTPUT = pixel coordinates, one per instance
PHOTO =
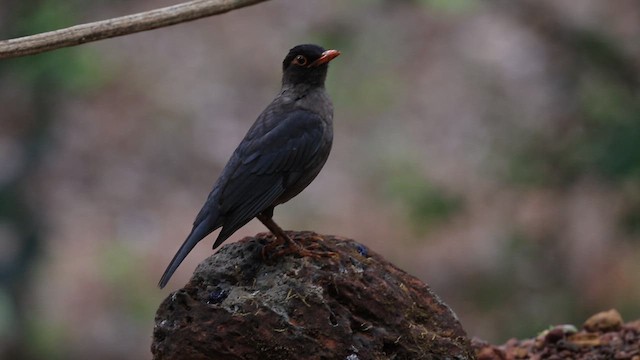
(484, 350)
(353, 305)
(612, 340)
(604, 321)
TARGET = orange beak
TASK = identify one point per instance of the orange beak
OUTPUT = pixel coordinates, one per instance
(325, 58)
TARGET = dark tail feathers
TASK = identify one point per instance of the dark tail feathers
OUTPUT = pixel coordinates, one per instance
(198, 233)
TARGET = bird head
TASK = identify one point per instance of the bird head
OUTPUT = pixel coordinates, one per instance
(307, 64)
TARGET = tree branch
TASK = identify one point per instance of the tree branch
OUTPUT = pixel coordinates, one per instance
(124, 25)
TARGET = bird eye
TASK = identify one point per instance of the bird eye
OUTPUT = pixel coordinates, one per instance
(300, 60)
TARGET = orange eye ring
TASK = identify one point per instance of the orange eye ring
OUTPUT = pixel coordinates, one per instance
(300, 60)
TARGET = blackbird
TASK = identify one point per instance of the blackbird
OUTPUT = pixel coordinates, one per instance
(283, 151)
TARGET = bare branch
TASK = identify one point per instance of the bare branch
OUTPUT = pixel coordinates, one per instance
(124, 25)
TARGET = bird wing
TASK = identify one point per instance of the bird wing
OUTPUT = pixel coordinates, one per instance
(275, 153)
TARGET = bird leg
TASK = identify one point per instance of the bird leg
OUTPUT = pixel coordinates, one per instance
(281, 238)
(276, 230)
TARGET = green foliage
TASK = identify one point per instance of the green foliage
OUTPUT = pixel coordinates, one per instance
(47, 340)
(73, 69)
(532, 165)
(120, 267)
(630, 219)
(6, 314)
(450, 6)
(426, 205)
(601, 133)
(69, 69)
(524, 287)
(46, 16)
(612, 137)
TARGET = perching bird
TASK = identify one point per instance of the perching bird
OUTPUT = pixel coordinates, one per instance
(280, 155)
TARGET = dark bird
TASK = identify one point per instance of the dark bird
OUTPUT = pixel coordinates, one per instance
(283, 151)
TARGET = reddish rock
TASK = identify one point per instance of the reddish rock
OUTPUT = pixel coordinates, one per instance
(353, 305)
(604, 337)
(604, 321)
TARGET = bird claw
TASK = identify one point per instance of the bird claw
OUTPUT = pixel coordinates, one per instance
(294, 248)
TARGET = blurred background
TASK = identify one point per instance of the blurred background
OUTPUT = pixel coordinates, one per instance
(491, 149)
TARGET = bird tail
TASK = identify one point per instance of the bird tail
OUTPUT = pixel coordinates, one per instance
(198, 233)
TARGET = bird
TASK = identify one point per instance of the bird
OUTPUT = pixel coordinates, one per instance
(281, 154)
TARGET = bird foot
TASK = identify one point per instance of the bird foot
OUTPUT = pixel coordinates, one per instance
(292, 247)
